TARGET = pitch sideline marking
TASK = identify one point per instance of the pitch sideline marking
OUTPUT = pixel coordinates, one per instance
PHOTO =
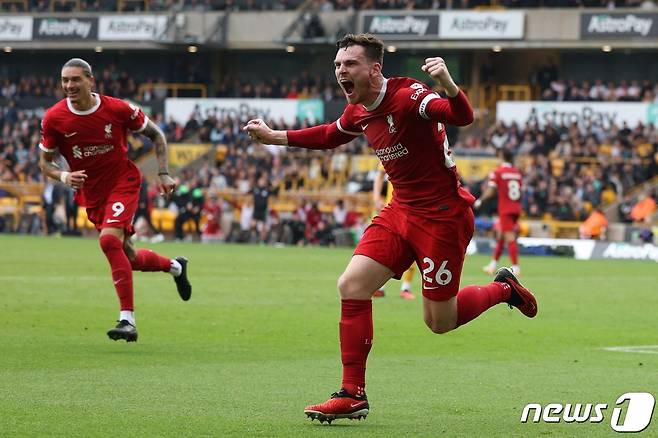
(647, 349)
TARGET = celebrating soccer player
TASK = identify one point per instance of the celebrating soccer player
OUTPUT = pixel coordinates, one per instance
(506, 180)
(89, 130)
(429, 219)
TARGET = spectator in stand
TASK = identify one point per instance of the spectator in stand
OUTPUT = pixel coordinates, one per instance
(595, 226)
(644, 209)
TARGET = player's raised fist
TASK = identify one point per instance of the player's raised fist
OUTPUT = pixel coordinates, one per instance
(437, 69)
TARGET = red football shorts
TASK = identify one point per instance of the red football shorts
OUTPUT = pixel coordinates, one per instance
(508, 222)
(118, 208)
(397, 238)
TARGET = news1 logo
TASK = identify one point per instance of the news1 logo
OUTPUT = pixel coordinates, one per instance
(638, 412)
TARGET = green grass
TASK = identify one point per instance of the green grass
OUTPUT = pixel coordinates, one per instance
(258, 341)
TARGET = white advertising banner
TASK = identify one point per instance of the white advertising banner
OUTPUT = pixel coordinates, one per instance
(494, 25)
(15, 28)
(288, 110)
(131, 27)
(602, 114)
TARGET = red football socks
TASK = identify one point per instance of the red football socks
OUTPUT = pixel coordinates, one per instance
(513, 249)
(355, 343)
(122, 274)
(473, 300)
(148, 261)
(498, 250)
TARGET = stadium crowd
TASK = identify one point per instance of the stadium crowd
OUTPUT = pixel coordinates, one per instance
(323, 5)
(569, 172)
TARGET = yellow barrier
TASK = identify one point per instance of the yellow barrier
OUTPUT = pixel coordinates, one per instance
(181, 154)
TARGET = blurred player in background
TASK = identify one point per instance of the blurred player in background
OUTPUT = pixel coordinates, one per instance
(506, 180)
(89, 130)
(378, 188)
(429, 219)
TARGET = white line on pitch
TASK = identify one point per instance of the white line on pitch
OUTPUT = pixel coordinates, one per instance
(648, 349)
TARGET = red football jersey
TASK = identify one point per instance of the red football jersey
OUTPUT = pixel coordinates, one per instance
(413, 149)
(507, 180)
(95, 141)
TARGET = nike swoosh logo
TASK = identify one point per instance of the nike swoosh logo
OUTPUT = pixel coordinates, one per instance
(71, 134)
(353, 405)
(109, 221)
(364, 126)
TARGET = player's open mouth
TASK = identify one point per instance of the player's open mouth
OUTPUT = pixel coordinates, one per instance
(348, 86)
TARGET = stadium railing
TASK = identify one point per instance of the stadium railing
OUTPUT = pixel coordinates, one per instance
(173, 88)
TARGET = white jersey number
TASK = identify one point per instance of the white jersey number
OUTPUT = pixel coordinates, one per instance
(514, 190)
(442, 276)
(118, 208)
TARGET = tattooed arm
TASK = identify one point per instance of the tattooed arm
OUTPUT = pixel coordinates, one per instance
(49, 168)
(166, 184)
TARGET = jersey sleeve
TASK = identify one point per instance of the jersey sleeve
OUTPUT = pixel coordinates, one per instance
(346, 125)
(327, 136)
(132, 115)
(48, 141)
(493, 177)
(428, 105)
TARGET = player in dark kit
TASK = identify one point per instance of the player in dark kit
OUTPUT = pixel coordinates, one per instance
(89, 131)
(429, 220)
(507, 180)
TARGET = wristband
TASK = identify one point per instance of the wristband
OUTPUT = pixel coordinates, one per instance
(63, 176)
(163, 173)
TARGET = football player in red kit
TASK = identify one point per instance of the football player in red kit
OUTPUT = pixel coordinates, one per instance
(429, 221)
(89, 130)
(507, 181)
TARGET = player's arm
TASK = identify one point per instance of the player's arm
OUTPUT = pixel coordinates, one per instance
(48, 154)
(456, 109)
(489, 192)
(166, 184)
(52, 170)
(327, 136)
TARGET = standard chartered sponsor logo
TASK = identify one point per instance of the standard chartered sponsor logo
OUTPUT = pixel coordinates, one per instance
(392, 152)
(603, 24)
(90, 151)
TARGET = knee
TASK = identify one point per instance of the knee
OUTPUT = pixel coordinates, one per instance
(440, 326)
(348, 287)
(110, 243)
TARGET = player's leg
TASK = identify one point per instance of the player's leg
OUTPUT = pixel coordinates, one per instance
(380, 255)
(146, 260)
(445, 307)
(498, 249)
(405, 288)
(513, 250)
(111, 242)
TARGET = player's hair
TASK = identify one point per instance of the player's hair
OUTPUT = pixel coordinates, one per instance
(372, 46)
(507, 154)
(79, 62)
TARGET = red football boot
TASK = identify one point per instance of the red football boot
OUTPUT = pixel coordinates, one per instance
(379, 293)
(340, 405)
(521, 298)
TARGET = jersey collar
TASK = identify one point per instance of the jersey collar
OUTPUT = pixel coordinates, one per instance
(379, 99)
(87, 112)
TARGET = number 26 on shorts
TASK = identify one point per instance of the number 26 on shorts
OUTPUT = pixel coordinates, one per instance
(442, 277)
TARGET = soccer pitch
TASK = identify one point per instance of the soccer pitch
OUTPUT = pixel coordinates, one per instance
(259, 340)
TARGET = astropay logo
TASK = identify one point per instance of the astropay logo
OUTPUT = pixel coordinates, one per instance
(634, 416)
